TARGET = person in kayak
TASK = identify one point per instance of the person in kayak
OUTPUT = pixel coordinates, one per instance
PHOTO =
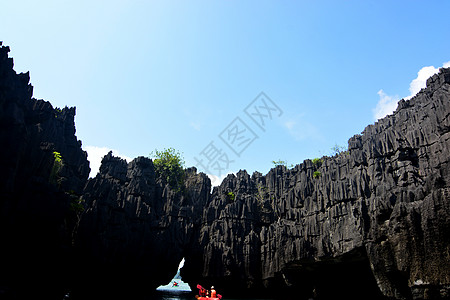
(202, 292)
(213, 292)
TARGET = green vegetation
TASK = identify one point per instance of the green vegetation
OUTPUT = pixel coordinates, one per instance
(317, 174)
(282, 163)
(336, 149)
(262, 191)
(169, 166)
(265, 203)
(231, 196)
(317, 162)
(57, 166)
(77, 205)
(58, 111)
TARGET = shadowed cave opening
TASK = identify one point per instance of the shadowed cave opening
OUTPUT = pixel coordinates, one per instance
(346, 277)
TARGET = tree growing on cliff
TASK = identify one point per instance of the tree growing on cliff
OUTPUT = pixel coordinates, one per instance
(57, 166)
(169, 166)
(337, 149)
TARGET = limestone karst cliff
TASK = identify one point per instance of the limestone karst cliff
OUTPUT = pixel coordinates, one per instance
(377, 217)
(135, 230)
(372, 223)
(38, 199)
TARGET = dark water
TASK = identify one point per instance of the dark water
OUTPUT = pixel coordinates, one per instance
(187, 296)
(161, 295)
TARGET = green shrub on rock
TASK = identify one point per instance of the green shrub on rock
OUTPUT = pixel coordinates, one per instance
(231, 196)
(317, 162)
(57, 166)
(169, 166)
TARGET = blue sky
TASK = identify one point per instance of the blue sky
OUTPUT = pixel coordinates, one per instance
(148, 75)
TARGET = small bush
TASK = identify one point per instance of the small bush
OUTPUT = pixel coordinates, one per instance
(169, 166)
(57, 166)
(317, 174)
(336, 149)
(261, 191)
(77, 205)
(317, 162)
(261, 195)
(282, 163)
(231, 196)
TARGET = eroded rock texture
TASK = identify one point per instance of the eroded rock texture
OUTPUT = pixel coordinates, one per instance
(136, 229)
(38, 202)
(380, 208)
(372, 222)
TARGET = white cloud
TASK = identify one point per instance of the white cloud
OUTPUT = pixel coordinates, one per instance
(387, 104)
(421, 80)
(95, 155)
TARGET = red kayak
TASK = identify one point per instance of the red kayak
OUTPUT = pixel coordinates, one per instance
(201, 289)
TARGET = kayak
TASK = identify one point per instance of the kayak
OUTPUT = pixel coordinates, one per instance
(202, 291)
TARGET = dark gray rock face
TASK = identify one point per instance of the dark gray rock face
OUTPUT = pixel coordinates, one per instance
(37, 201)
(372, 222)
(135, 230)
(377, 218)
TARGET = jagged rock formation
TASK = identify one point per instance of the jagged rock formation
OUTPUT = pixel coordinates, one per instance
(136, 229)
(38, 201)
(372, 222)
(381, 208)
